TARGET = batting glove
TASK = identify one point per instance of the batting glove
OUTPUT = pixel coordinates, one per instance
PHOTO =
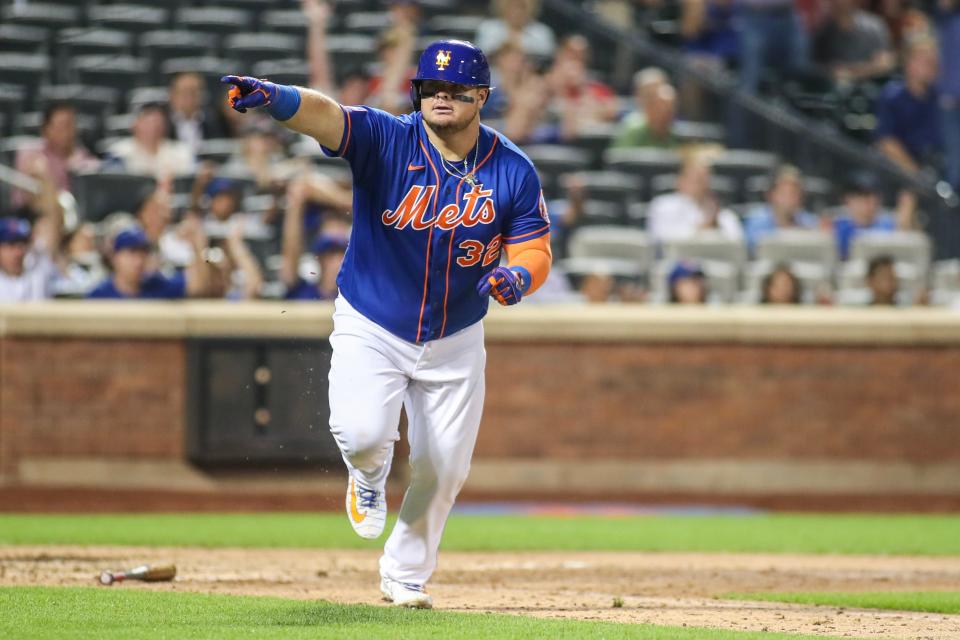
(504, 285)
(281, 101)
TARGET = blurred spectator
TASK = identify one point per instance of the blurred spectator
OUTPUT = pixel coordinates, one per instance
(56, 154)
(692, 208)
(711, 44)
(319, 202)
(389, 88)
(781, 286)
(655, 128)
(687, 283)
(908, 113)
(947, 18)
(262, 156)
(317, 13)
(853, 44)
(235, 272)
(709, 35)
(148, 151)
(191, 120)
(579, 99)
(782, 210)
(862, 211)
(328, 248)
(771, 36)
(516, 20)
(82, 266)
(27, 267)
(132, 279)
(882, 281)
(903, 18)
(597, 288)
(510, 68)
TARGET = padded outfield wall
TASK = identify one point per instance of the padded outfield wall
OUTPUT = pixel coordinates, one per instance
(581, 401)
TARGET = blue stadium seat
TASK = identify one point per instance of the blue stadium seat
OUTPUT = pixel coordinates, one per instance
(20, 38)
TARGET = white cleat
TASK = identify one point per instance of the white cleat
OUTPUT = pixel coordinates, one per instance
(366, 509)
(403, 594)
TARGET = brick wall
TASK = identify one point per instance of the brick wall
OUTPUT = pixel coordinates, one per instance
(721, 401)
(124, 398)
(90, 397)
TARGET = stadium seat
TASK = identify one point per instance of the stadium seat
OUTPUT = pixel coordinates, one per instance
(740, 164)
(608, 186)
(146, 95)
(594, 139)
(129, 17)
(289, 71)
(26, 70)
(78, 41)
(118, 125)
(20, 38)
(637, 215)
(906, 247)
(289, 21)
(722, 281)
(369, 22)
(643, 162)
(13, 100)
(708, 245)
(808, 246)
(251, 48)
(616, 267)
(552, 161)
(89, 99)
(163, 45)
(29, 123)
(310, 148)
(459, 27)
(352, 51)
(689, 132)
(99, 194)
(616, 242)
(213, 19)
(122, 72)
(9, 146)
(40, 14)
(595, 212)
(217, 150)
(945, 275)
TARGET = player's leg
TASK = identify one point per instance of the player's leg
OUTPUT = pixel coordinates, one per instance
(367, 385)
(444, 403)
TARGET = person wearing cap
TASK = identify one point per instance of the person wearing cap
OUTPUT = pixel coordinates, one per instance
(687, 283)
(132, 280)
(863, 211)
(329, 249)
(27, 269)
(783, 208)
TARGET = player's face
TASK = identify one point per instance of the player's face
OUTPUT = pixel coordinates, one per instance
(449, 107)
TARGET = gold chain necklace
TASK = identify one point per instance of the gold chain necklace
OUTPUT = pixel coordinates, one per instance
(465, 175)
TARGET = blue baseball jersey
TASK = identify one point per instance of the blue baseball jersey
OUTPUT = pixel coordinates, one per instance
(422, 238)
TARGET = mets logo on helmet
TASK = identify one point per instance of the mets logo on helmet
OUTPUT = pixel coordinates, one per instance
(443, 59)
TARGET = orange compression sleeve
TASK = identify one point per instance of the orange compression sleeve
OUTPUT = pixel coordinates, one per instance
(534, 256)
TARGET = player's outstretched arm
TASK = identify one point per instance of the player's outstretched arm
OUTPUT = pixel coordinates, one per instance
(302, 110)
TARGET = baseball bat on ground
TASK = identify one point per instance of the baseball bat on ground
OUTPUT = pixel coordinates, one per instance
(144, 572)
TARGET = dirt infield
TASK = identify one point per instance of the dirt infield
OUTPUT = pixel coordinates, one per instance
(657, 588)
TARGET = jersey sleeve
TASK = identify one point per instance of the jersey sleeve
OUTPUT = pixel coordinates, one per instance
(366, 133)
(530, 219)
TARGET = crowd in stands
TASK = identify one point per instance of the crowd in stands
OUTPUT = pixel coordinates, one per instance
(239, 208)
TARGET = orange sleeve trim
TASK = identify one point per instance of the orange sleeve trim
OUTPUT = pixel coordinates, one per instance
(346, 140)
(534, 256)
(527, 235)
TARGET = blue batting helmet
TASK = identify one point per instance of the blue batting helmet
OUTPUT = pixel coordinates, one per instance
(456, 61)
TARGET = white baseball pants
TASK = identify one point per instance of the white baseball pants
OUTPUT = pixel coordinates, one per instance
(441, 384)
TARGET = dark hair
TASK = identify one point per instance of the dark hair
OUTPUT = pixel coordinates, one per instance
(52, 108)
(878, 262)
(768, 280)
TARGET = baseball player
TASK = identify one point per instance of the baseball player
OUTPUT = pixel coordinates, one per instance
(437, 197)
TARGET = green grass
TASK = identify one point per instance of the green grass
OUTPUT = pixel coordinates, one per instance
(115, 613)
(781, 533)
(926, 601)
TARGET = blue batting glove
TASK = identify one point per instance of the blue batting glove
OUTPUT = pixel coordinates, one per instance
(504, 285)
(250, 93)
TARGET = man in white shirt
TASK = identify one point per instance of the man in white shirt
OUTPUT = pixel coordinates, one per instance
(691, 208)
(148, 151)
(27, 270)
